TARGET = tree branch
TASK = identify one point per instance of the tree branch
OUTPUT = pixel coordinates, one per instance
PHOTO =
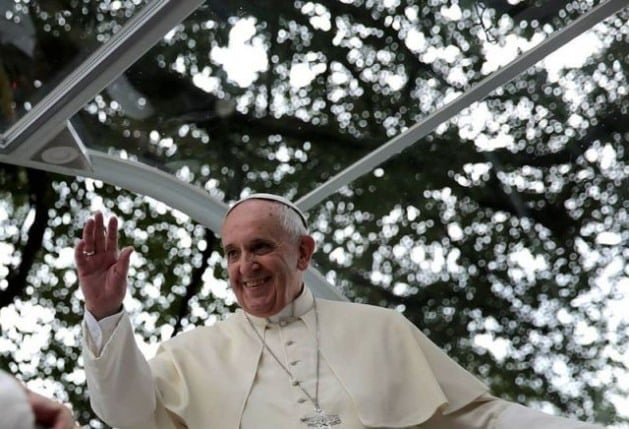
(40, 195)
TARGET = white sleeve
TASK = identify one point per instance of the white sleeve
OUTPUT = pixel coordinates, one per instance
(489, 412)
(121, 386)
(98, 332)
(478, 414)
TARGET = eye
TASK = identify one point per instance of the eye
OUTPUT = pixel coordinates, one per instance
(261, 248)
(231, 254)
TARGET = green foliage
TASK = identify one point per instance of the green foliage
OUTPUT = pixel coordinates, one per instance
(503, 234)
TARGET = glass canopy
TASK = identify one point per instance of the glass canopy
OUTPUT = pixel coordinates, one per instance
(19, 44)
(164, 107)
(440, 146)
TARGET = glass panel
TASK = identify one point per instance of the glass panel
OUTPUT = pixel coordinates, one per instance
(41, 42)
(504, 233)
(263, 96)
(504, 230)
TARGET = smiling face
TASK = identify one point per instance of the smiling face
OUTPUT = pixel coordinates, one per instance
(265, 263)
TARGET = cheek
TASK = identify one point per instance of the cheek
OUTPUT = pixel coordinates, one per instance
(232, 274)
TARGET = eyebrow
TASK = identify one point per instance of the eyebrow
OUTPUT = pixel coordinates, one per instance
(252, 242)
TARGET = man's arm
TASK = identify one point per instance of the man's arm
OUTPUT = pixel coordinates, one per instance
(121, 386)
(488, 412)
(469, 410)
(102, 270)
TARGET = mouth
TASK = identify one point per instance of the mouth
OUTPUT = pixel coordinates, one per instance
(254, 283)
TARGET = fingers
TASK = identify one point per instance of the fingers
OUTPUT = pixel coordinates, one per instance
(98, 241)
(90, 236)
(111, 243)
(65, 420)
(83, 251)
(49, 412)
(98, 232)
(124, 260)
(79, 251)
(96, 238)
(120, 270)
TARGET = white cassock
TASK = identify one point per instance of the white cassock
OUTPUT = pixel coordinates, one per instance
(376, 371)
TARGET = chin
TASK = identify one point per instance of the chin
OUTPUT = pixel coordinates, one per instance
(258, 311)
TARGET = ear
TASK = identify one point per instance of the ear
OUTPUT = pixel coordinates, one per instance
(306, 249)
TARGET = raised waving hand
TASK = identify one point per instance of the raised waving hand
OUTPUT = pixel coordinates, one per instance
(101, 266)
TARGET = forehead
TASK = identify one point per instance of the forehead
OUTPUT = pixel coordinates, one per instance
(250, 220)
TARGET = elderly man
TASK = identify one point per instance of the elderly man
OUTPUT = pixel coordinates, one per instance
(286, 359)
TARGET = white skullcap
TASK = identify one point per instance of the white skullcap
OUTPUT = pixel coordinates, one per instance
(271, 197)
(15, 410)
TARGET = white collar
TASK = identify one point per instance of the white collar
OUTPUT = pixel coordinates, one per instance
(291, 312)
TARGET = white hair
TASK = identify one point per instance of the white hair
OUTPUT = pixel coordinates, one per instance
(290, 220)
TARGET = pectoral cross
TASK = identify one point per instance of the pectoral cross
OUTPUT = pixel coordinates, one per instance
(322, 420)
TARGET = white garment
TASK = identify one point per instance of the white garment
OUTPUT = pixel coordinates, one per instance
(355, 380)
(272, 391)
(15, 410)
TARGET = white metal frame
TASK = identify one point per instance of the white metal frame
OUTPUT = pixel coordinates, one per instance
(187, 198)
(47, 118)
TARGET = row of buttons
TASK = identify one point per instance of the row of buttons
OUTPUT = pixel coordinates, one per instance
(288, 343)
(283, 323)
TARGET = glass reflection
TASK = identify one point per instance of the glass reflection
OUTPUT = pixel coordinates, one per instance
(41, 42)
(262, 96)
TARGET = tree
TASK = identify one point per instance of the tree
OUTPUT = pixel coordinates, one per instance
(500, 234)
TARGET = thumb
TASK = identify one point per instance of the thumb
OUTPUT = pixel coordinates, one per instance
(125, 259)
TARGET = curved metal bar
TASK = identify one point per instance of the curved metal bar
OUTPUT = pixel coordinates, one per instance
(187, 198)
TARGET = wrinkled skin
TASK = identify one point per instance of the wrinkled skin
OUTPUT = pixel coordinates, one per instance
(265, 264)
(102, 268)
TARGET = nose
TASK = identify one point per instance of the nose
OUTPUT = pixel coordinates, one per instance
(248, 262)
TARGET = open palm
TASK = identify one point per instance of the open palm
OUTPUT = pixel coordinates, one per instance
(102, 267)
